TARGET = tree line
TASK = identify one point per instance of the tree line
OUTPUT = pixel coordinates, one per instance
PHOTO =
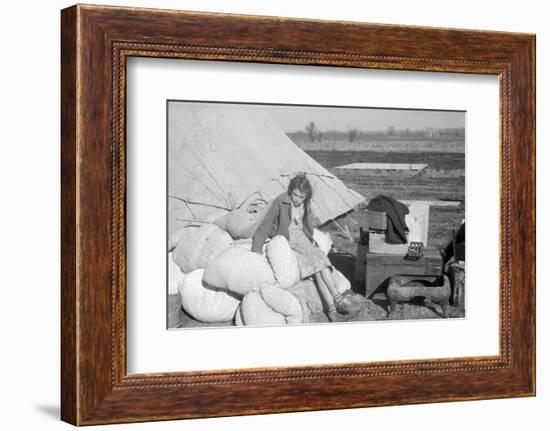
(312, 133)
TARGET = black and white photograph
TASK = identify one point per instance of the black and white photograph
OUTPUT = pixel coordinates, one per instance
(300, 214)
(251, 215)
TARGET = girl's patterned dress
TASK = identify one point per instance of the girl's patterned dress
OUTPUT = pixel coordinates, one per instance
(311, 259)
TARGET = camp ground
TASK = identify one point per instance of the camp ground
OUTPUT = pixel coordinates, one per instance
(228, 162)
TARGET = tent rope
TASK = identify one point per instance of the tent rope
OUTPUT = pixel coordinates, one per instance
(315, 174)
(187, 201)
(190, 209)
(257, 192)
(193, 220)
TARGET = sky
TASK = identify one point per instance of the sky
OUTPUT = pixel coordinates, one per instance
(293, 118)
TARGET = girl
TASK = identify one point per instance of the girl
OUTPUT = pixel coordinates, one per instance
(290, 216)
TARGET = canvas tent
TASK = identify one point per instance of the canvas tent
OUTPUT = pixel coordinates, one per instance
(223, 156)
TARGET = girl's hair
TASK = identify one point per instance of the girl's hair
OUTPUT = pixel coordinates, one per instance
(301, 183)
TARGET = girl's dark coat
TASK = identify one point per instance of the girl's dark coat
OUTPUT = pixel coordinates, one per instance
(277, 222)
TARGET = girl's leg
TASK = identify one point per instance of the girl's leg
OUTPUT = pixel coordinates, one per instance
(328, 279)
(325, 294)
(349, 305)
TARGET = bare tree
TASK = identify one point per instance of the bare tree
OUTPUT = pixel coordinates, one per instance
(352, 134)
(311, 130)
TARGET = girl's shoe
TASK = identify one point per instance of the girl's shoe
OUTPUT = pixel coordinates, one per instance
(350, 304)
(334, 316)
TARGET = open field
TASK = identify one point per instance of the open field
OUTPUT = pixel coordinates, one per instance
(451, 142)
(443, 179)
(435, 160)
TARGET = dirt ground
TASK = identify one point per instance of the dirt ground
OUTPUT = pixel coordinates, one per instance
(442, 180)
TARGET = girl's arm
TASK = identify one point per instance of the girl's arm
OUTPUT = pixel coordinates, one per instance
(265, 227)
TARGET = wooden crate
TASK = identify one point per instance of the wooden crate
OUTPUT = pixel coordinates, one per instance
(376, 220)
(379, 267)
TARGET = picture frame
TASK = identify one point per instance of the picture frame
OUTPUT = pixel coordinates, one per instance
(96, 41)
